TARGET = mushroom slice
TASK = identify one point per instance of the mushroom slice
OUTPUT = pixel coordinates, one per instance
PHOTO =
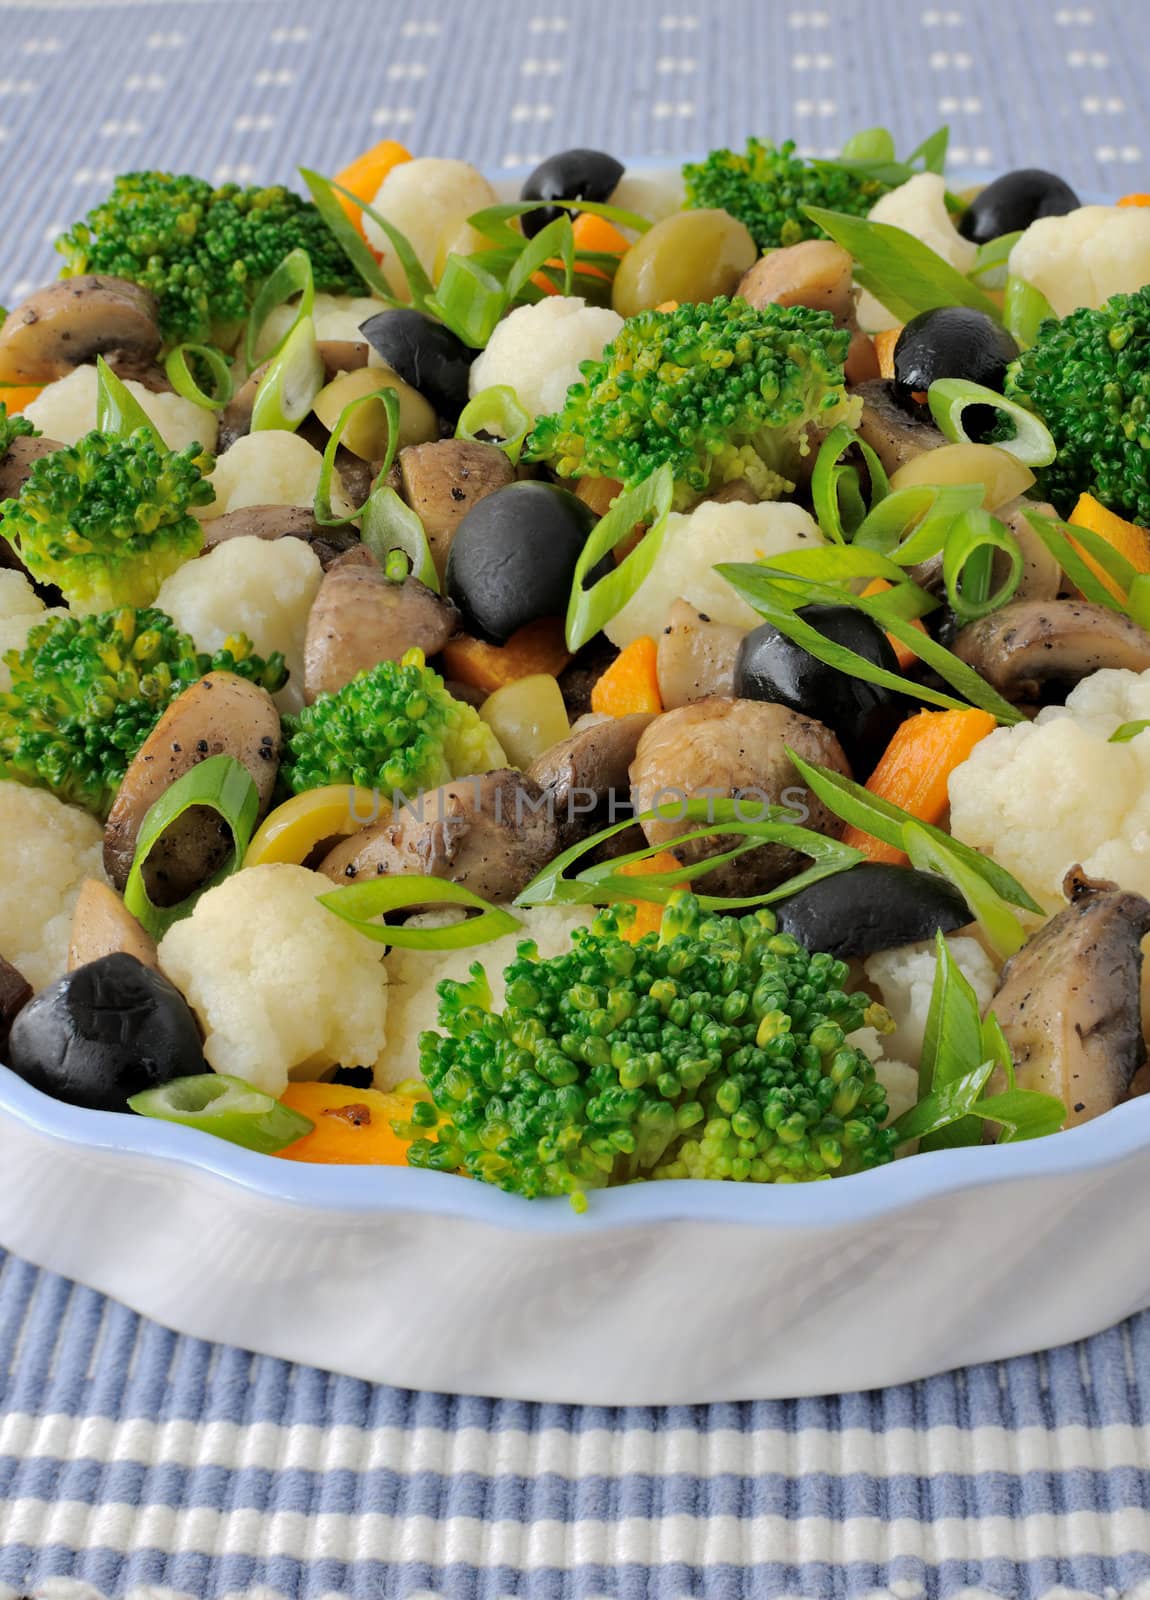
(221, 714)
(15, 993)
(1041, 575)
(73, 321)
(1069, 1004)
(729, 748)
(587, 774)
(1029, 642)
(282, 522)
(895, 437)
(360, 618)
(817, 273)
(491, 833)
(102, 925)
(443, 479)
(695, 657)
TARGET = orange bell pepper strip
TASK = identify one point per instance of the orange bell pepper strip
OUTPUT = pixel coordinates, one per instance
(352, 1126)
(648, 913)
(14, 399)
(631, 682)
(537, 647)
(593, 236)
(1135, 200)
(364, 176)
(903, 651)
(884, 344)
(1128, 539)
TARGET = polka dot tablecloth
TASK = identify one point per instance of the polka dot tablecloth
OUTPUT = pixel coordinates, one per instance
(137, 1463)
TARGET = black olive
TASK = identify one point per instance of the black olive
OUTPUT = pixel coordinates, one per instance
(105, 1032)
(871, 907)
(570, 175)
(424, 354)
(513, 557)
(952, 342)
(1014, 201)
(15, 993)
(769, 666)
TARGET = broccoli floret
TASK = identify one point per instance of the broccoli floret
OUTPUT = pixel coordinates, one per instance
(719, 390)
(202, 251)
(14, 428)
(86, 693)
(713, 1049)
(394, 728)
(1088, 378)
(109, 518)
(767, 187)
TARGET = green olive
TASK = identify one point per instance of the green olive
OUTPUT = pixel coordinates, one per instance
(691, 256)
(366, 432)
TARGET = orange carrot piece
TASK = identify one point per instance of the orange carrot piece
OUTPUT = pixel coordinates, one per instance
(16, 398)
(1135, 200)
(352, 1126)
(884, 344)
(537, 647)
(593, 235)
(1128, 539)
(915, 769)
(366, 173)
(905, 654)
(649, 913)
(631, 682)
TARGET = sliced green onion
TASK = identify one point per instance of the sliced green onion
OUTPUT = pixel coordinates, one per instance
(605, 884)
(179, 375)
(589, 610)
(227, 1107)
(871, 154)
(323, 192)
(322, 507)
(1022, 1114)
(904, 275)
(389, 524)
(492, 221)
(291, 381)
(1062, 539)
(943, 1109)
(844, 563)
(1024, 310)
(360, 903)
(952, 1041)
(419, 284)
(556, 239)
(1138, 601)
(989, 269)
(292, 277)
(883, 820)
(911, 524)
(219, 784)
(1002, 928)
(948, 398)
(470, 299)
(971, 542)
(117, 409)
(1129, 730)
(496, 411)
(840, 509)
(870, 144)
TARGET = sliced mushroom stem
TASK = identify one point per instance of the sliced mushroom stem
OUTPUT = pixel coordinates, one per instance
(695, 656)
(102, 925)
(443, 479)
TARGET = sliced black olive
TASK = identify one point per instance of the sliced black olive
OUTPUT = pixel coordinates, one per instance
(513, 558)
(952, 342)
(769, 666)
(424, 354)
(1014, 201)
(105, 1032)
(569, 175)
(871, 907)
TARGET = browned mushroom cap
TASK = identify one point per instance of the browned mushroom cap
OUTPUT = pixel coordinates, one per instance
(1069, 1000)
(282, 522)
(591, 767)
(895, 437)
(102, 925)
(696, 657)
(1030, 642)
(724, 747)
(73, 321)
(491, 833)
(816, 273)
(15, 993)
(442, 480)
(337, 355)
(221, 714)
(360, 618)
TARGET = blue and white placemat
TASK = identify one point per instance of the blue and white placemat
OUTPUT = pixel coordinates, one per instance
(136, 1463)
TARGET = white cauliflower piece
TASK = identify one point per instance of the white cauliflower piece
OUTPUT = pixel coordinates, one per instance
(1084, 257)
(412, 975)
(336, 317)
(693, 545)
(281, 986)
(270, 468)
(919, 208)
(426, 199)
(261, 587)
(50, 849)
(898, 1078)
(67, 411)
(904, 978)
(653, 195)
(20, 610)
(537, 350)
(1045, 795)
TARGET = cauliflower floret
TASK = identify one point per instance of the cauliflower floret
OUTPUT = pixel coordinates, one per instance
(426, 199)
(1084, 257)
(919, 208)
(412, 976)
(261, 587)
(270, 468)
(20, 610)
(898, 1078)
(336, 317)
(281, 986)
(904, 978)
(694, 542)
(50, 849)
(653, 195)
(537, 350)
(67, 411)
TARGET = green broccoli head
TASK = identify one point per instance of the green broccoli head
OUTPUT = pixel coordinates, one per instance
(394, 728)
(720, 390)
(86, 693)
(1088, 378)
(714, 1049)
(202, 251)
(14, 428)
(767, 187)
(106, 520)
